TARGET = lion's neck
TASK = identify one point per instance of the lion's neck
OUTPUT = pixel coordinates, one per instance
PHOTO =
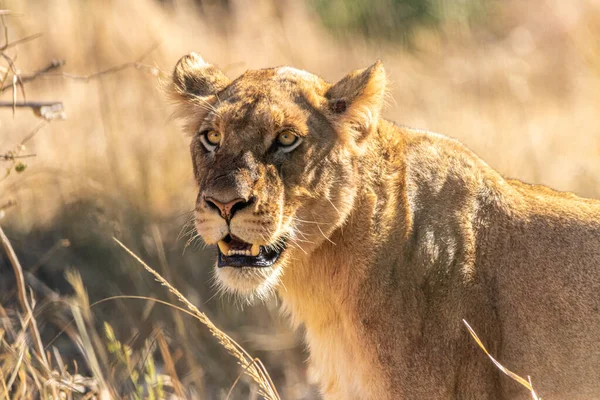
(328, 291)
(316, 287)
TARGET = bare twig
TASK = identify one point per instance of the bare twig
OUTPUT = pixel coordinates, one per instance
(137, 64)
(54, 64)
(15, 154)
(22, 292)
(47, 110)
(12, 157)
(31, 104)
(55, 109)
(86, 78)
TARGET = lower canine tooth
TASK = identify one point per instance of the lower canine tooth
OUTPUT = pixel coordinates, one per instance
(255, 250)
(224, 247)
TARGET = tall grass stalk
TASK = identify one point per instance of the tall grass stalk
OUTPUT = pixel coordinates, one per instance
(253, 367)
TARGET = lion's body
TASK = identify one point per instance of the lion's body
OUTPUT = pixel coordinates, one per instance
(454, 240)
(404, 235)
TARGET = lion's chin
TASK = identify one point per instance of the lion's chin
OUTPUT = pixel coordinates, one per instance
(249, 283)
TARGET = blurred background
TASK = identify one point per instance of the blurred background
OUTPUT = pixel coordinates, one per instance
(516, 81)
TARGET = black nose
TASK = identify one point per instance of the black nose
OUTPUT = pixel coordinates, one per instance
(228, 208)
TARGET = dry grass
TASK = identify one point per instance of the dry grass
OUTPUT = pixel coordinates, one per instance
(521, 90)
(251, 366)
(525, 383)
(26, 371)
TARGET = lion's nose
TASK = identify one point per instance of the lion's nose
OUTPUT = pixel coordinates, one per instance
(228, 209)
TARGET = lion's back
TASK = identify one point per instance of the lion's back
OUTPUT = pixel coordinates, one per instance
(537, 252)
(546, 257)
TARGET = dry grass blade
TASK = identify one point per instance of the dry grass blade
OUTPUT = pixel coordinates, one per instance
(505, 370)
(238, 379)
(254, 369)
(87, 350)
(169, 365)
(21, 41)
(22, 292)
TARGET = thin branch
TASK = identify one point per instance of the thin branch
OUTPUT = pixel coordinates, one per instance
(29, 104)
(22, 291)
(56, 110)
(11, 157)
(47, 110)
(54, 64)
(111, 70)
(137, 64)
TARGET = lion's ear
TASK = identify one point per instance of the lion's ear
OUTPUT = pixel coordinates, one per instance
(193, 77)
(355, 102)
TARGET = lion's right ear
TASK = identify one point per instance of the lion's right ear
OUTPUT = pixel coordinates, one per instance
(195, 78)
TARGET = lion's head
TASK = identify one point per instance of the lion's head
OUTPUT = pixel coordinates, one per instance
(274, 154)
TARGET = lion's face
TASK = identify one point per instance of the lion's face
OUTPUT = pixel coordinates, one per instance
(274, 164)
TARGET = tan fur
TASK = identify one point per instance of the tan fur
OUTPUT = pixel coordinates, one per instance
(394, 236)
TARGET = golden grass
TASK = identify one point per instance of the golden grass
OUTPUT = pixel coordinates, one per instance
(251, 366)
(26, 371)
(525, 383)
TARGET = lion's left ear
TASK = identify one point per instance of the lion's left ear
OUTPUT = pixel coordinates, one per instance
(355, 102)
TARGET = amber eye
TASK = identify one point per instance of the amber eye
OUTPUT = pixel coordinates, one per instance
(213, 137)
(288, 140)
(210, 139)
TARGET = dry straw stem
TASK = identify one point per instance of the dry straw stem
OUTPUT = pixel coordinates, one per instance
(508, 372)
(252, 367)
(22, 291)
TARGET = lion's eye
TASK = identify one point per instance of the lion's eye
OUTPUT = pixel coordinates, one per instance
(210, 139)
(288, 140)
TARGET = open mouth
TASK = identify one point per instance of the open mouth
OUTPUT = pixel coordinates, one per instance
(234, 252)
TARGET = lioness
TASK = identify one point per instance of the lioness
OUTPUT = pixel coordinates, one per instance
(381, 239)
